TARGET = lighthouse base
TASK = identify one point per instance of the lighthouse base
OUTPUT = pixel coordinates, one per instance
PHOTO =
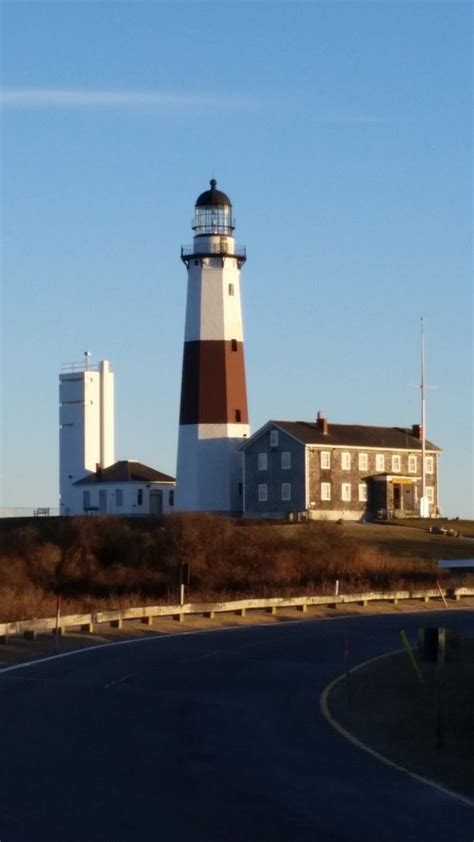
(209, 471)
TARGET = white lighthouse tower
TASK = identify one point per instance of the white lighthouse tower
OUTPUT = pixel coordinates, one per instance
(86, 427)
(213, 415)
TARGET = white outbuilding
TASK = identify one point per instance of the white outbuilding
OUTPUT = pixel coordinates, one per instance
(126, 488)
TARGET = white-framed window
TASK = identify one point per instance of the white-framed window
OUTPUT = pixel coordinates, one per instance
(273, 438)
(396, 464)
(363, 492)
(346, 491)
(140, 497)
(379, 462)
(118, 497)
(262, 492)
(286, 460)
(428, 464)
(325, 459)
(286, 491)
(412, 462)
(262, 461)
(325, 491)
(430, 493)
(363, 462)
(171, 497)
(345, 461)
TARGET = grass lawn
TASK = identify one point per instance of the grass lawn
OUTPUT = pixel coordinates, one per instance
(394, 714)
(412, 539)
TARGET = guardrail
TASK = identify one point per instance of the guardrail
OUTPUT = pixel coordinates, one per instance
(146, 614)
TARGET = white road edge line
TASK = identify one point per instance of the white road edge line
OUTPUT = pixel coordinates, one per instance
(323, 702)
(164, 636)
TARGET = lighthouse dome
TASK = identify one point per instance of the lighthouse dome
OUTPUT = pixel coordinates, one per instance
(213, 197)
(213, 214)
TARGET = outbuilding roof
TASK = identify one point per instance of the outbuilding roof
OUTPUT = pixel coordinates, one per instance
(125, 470)
(351, 435)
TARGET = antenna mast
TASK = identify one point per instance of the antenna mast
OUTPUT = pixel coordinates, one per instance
(424, 506)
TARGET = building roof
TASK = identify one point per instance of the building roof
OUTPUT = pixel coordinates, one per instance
(213, 197)
(125, 471)
(352, 435)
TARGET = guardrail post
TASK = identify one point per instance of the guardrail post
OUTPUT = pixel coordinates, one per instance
(426, 599)
(116, 624)
(147, 621)
(271, 610)
(303, 607)
(241, 612)
(363, 602)
(4, 639)
(30, 634)
(178, 617)
(87, 627)
(209, 614)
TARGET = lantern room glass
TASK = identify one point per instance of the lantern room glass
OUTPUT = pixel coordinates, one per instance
(213, 219)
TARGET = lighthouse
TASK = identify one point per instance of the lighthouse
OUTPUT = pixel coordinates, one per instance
(213, 419)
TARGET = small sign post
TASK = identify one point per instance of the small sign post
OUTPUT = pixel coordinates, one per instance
(184, 575)
(56, 630)
(347, 671)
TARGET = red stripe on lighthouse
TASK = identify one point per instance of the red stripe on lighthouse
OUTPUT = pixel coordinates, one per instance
(213, 389)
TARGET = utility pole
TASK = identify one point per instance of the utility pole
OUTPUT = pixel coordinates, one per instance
(424, 502)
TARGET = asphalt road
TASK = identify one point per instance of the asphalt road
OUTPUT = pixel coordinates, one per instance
(208, 737)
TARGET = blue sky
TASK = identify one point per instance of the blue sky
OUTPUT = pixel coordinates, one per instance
(341, 132)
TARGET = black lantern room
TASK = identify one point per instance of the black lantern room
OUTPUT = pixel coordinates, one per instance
(213, 213)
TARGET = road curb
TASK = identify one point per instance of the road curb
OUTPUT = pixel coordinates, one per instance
(324, 706)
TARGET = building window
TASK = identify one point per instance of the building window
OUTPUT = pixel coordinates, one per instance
(234, 344)
(428, 464)
(363, 492)
(262, 462)
(325, 491)
(238, 416)
(286, 491)
(325, 459)
(86, 500)
(412, 464)
(346, 461)
(379, 462)
(273, 438)
(171, 497)
(396, 464)
(231, 289)
(140, 497)
(430, 493)
(346, 491)
(363, 462)
(285, 460)
(262, 493)
(118, 497)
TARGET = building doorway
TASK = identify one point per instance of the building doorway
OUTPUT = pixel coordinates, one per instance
(102, 501)
(156, 502)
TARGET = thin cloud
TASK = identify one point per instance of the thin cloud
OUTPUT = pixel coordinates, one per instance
(84, 98)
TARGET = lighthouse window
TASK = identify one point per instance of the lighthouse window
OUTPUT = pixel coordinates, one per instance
(231, 289)
(238, 416)
(234, 344)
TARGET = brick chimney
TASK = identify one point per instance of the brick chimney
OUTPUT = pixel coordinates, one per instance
(322, 423)
(417, 431)
(98, 470)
